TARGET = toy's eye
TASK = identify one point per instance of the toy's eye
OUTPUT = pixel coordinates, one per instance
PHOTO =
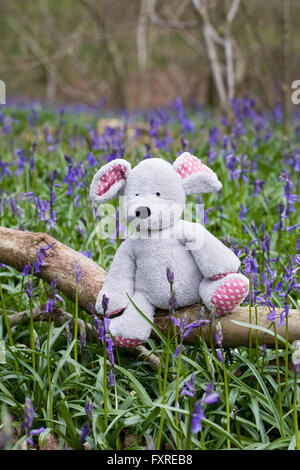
(137, 194)
(157, 194)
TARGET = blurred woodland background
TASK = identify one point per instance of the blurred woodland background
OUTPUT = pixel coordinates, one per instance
(143, 53)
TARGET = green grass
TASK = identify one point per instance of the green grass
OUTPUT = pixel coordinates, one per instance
(258, 396)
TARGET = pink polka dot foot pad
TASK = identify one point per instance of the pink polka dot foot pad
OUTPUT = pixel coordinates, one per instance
(229, 295)
(127, 342)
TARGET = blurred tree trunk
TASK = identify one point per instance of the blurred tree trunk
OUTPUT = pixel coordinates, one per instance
(230, 69)
(51, 84)
(111, 49)
(285, 51)
(211, 49)
(142, 52)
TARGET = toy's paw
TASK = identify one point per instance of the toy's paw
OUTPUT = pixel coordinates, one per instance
(114, 306)
(115, 312)
(127, 342)
(230, 294)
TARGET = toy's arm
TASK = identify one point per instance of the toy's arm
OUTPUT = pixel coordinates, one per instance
(212, 257)
(119, 281)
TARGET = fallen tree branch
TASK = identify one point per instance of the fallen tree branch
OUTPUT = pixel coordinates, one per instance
(18, 248)
(61, 317)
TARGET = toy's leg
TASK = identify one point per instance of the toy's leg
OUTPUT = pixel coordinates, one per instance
(131, 329)
(225, 292)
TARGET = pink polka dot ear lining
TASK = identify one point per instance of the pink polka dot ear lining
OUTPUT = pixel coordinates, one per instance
(110, 177)
(191, 165)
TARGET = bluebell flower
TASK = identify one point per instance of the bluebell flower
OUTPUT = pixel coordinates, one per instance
(105, 301)
(197, 416)
(210, 396)
(220, 355)
(189, 387)
(170, 276)
(27, 269)
(85, 432)
(78, 272)
(29, 289)
(28, 422)
(89, 407)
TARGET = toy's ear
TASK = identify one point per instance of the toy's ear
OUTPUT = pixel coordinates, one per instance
(196, 177)
(109, 182)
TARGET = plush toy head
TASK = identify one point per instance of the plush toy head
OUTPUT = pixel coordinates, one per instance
(154, 191)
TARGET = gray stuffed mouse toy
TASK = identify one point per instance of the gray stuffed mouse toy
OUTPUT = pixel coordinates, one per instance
(154, 194)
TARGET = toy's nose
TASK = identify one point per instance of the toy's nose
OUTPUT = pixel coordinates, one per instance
(143, 212)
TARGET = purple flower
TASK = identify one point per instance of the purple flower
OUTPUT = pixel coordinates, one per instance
(106, 323)
(39, 260)
(170, 276)
(147, 153)
(189, 388)
(196, 324)
(258, 186)
(100, 328)
(105, 301)
(78, 272)
(88, 254)
(110, 350)
(197, 416)
(91, 159)
(26, 270)
(243, 212)
(214, 134)
(220, 355)
(172, 302)
(85, 432)
(82, 340)
(263, 348)
(49, 306)
(293, 227)
(29, 289)
(177, 351)
(28, 416)
(210, 396)
(4, 169)
(69, 333)
(272, 314)
(290, 197)
(111, 379)
(21, 162)
(185, 328)
(89, 407)
(28, 422)
(77, 199)
(177, 322)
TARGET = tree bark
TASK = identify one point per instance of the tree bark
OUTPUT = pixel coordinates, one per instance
(18, 248)
(285, 53)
